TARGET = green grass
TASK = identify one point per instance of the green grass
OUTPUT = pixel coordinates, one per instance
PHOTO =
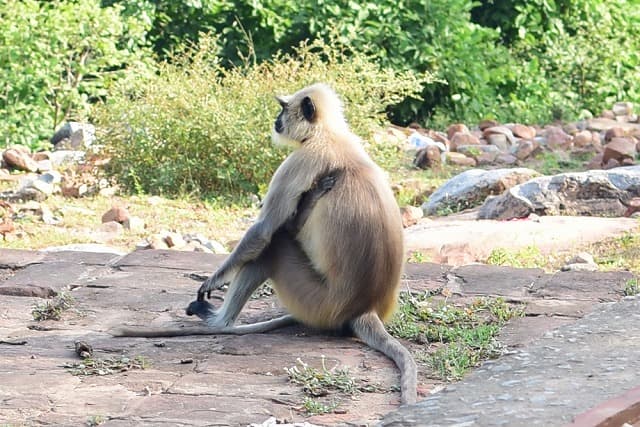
(460, 335)
(107, 366)
(632, 287)
(323, 387)
(52, 309)
(529, 257)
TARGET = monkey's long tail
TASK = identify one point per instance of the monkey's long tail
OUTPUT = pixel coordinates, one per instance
(369, 328)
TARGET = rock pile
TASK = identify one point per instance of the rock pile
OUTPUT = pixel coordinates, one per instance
(609, 141)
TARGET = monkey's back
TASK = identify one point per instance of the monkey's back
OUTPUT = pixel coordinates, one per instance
(354, 238)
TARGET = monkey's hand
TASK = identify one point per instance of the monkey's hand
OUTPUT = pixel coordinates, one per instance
(202, 309)
(325, 184)
(216, 281)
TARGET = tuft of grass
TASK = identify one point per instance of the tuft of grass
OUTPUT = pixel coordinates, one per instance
(632, 287)
(107, 366)
(529, 257)
(618, 253)
(321, 382)
(96, 420)
(314, 407)
(418, 257)
(52, 309)
(462, 335)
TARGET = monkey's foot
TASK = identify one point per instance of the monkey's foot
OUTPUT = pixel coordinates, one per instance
(202, 309)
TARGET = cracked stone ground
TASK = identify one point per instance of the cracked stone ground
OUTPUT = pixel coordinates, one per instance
(220, 380)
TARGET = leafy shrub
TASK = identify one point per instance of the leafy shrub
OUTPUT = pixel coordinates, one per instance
(55, 58)
(200, 127)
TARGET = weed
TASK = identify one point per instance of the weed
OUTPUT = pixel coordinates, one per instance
(632, 287)
(529, 257)
(316, 382)
(464, 334)
(313, 407)
(108, 366)
(52, 309)
(417, 257)
(95, 420)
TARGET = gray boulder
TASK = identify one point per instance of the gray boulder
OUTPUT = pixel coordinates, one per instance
(592, 193)
(472, 187)
(74, 135)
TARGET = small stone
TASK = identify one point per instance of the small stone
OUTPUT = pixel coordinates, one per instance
(526, 149)
(44, 165)
(174, 240)
(582, 258)
(622, 108)
(410, 215)
(134, 224)
(484, 124)
(193, 246)
(499, 140)
(158, 242)
(619, 149)
(614, 132)
(216, 247)
(608, 114)
(501, 130)
(459, 159)
(580, 267)
(52, 177)
(506, 159)
(63, 157)
(523, 131)
(111, 227)
(74, 190)
(18, 159)
(428, 158)
(463, 138)
(583, 139)
(456, 128)
(116, 213)
(143, 244)
(74, 135)
(557, 138)
(40, 156)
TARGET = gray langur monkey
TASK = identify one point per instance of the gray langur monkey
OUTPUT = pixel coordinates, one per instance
(329, 236)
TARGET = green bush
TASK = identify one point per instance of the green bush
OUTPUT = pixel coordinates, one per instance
(55, 59)
(200, 127)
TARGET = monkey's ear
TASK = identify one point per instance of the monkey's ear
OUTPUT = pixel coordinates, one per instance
(283, 101)
(308, 109)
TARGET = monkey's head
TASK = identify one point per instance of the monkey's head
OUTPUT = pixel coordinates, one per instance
(307, 114)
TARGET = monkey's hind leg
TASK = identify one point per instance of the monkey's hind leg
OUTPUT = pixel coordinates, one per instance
(369, 328)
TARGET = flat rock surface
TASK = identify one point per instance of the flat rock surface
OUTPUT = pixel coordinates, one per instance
(560, 375)
(463, 234)
(239, 380)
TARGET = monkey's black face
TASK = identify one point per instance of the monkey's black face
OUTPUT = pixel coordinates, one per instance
(279, 127)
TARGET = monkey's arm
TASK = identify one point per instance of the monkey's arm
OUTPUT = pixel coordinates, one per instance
(278, 211)
(308, 201)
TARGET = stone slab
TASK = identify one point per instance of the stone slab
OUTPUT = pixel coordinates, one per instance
(547, 383)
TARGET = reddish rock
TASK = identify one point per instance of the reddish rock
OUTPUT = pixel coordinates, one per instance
(614, 133)
(583, 139)
(619, 149)
(118, 214)
(487, 124)
(633, 206)
(557, 138)
(410, 215)
(459, 159)
(18, 159)
(428, 158)
(608, 114)
(526, 149)
(463, 138)
(499, 140)
(486, 158)
(622, 108)
(523, 131)
(506, 159)
(502, 130)
(455, 128)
